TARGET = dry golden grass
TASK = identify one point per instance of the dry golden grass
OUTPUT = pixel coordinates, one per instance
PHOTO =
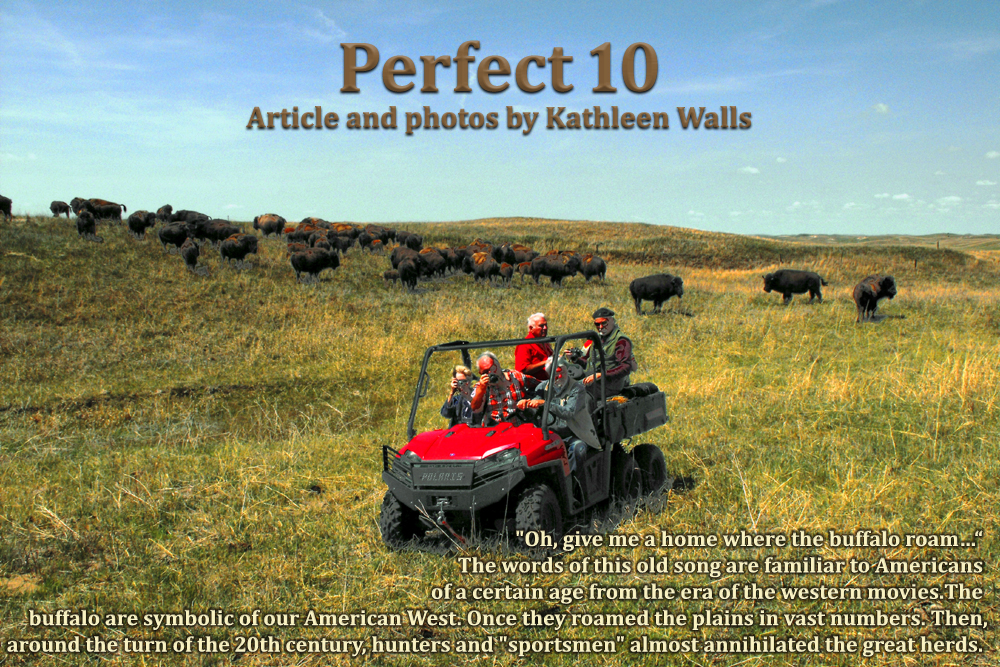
(169, 441)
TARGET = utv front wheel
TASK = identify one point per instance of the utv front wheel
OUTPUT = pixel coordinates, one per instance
(650, 460)
(538, 510)
(398, 523)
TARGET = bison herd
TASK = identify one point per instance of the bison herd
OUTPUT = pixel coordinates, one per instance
(314, 245)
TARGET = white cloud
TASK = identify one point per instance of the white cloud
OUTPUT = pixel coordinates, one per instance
(902, 197)
(884, 195)
(326, 29)
(939, 173)
(696, 214)
(850, 206)
(781, 160)
(11, 157)
(949, 201)
(881, 108)
(735, 214)
(230, 206)
(750, 170)
(992, 204)
(985, 182)
(993, 155)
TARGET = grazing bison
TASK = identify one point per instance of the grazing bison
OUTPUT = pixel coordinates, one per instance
(186, 216)
(392, 275)
(869, 292)
(506, 273)
(524, 268)
(173, 233)
(269, 223)
(790, 281)
(400, 253)
(164, 212)
(482, 266)
(236, 248)
(433, 264)
(217, 231)
(58, 208)
(408, 273)
(555, 267)
(86, 227)
(593, 266)
(657, 288)
(190, 252)
(139, 222)
(313, 261)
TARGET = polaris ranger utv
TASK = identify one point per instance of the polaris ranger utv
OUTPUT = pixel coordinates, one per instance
(469, 475)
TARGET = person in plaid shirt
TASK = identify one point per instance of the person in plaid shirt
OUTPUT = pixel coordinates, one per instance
(499, 390)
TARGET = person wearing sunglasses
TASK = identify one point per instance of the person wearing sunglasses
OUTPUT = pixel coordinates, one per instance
(619, 360)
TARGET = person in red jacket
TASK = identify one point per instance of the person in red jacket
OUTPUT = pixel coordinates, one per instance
(531, 358)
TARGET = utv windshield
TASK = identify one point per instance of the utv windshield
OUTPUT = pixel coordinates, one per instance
(437, 406)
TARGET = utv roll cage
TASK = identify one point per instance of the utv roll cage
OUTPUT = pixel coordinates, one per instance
(557, 342)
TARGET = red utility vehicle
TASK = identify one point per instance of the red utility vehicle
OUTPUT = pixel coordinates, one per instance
(497, 474)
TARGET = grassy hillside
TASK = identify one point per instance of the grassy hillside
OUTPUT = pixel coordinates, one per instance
(169, 441)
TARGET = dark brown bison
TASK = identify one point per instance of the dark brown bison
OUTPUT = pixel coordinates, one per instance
(186, 216)
(105, 202)
(555, 267)
(217, 231)
(433, 263)
(86, 227)
(791, 281)
(400, 253)
(58, 208)
(408, 273)
(235, 248)
(5, 207)
(506, 273)
(592, 266)
(869, 292)
(483, 267)
(139, 222)
(504, 253)
(270, 223)
(173, 234)
(524, 268)
(312, 262)
(190, 252)
(99, 208)
(164, 212)
(392, 275)
(657, 288)
(523, 253)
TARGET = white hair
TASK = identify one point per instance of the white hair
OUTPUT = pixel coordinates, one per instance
(532, 318)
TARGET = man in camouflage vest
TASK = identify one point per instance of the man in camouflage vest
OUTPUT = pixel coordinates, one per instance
(618, 358)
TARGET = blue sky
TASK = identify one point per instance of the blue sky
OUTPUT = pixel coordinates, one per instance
(867, 117)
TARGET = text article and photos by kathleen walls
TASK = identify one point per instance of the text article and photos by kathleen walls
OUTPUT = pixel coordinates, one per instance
(490, 73)
(798, 593)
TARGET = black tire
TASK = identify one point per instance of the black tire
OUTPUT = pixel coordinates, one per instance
(651, 463)
(398, 523)
(626, 478)
(538, 509)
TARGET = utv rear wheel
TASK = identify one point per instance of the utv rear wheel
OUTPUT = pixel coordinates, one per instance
(398, 523)
(651, 463)
(538, 510)
(626, 478)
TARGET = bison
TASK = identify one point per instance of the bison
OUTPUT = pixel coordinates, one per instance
(791, 281)
(270, 223)
(869, 292)
(173, 233)
(139, 222)
(482, 266)
(392, 275)
(506, 273)
(190, 252)
(58, 208)
(186, 216)
(593, 266)
(237, 247)
(555, 266)
(5, 206)
(164, 212)
(408, 273)
(217, 231)
(656, 288)
(313, 261)
(86, 227)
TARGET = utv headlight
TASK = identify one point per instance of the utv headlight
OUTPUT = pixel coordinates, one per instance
(501, 458)
(410, 457)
